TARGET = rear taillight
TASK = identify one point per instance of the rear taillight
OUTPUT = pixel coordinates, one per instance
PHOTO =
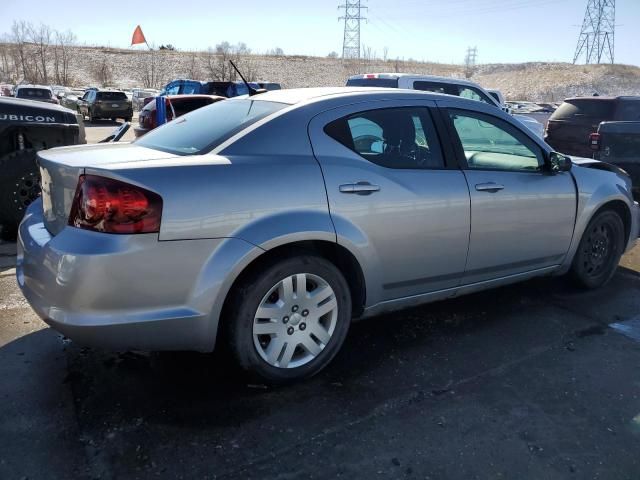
(111, 206)
(594, 141)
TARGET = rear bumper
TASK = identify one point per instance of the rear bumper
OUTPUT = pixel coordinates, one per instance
(122, 113)
(122, 292)
(139, 131)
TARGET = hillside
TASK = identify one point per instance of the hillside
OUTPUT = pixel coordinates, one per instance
(527, 81)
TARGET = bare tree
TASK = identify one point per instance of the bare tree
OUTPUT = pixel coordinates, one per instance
(63, 55)
(41, 36)
(103, 72)
(152, 71)
(193, 68)
(276, 52)
(385, 54)
(219, 68)
(333, 55)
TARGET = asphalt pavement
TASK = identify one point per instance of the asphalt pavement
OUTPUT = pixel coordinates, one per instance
(533, 381)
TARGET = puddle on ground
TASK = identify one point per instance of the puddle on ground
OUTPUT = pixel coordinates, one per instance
(629, 328)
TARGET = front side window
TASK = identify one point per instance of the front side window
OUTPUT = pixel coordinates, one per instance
(403, 138)
(473, 94)
(490, 144)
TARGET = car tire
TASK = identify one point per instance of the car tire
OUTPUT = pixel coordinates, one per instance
(303, 335)
(19, 186)
(128, 119)
(90, 115)
(599, 251)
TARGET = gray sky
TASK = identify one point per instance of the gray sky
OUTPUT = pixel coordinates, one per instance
(433, 30)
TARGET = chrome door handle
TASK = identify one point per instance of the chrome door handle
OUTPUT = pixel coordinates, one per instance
(489, 187)
(360, 188)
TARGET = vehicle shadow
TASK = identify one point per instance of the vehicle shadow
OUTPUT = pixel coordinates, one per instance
(207, 389)
(104, 122)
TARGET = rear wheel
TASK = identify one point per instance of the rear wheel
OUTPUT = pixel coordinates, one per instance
(600, 249)
(19, 186)
(290, 319)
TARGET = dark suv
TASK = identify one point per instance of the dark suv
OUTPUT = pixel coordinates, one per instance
(221, 89)
(111, 104)
(571, 124)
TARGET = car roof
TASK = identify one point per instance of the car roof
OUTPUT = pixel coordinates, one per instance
(44, 87)
(419, 76)
(306, 95)
(600, 99)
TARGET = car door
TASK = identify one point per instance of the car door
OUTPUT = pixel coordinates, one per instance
(522, 214)
(393, 197)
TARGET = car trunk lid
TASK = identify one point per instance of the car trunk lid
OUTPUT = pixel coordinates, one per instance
(60, 169)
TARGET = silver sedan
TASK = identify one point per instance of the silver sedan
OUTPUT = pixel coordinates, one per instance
(269, 222)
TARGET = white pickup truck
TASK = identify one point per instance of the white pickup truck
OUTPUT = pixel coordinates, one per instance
(448, 85)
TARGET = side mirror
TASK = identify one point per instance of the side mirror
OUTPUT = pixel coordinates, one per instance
(559, 162)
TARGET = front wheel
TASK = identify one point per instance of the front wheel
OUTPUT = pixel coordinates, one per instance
(600, 249)
(290, 319)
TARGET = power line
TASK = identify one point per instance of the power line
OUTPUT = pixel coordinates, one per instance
(352, 17)
(596, 41)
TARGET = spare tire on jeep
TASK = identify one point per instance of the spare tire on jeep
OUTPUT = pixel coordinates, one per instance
(26, 127)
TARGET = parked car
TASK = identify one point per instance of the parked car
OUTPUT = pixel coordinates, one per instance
(222, 89)
(25, 129)
(177, 105)
(39, 93)
(447, 85)
(618, 143)
(571, 124)
(268, 222)
(112, 104)
(70, 99)
(139, 96)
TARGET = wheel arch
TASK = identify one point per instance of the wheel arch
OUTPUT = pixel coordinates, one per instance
(337, 254)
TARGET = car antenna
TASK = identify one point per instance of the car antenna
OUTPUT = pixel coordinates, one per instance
(252, 91)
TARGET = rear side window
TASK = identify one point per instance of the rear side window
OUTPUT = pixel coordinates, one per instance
(402, 138)
(204, 129)
(435, 87)
(587, 109)
(373, 82)
(111, 96)
(628, 110)
(33, 93)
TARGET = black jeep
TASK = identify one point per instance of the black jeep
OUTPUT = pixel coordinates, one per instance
(26, 127)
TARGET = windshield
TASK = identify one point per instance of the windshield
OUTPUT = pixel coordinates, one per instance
(111, 96)
(587, 109)
(204, 129)
(33, 93)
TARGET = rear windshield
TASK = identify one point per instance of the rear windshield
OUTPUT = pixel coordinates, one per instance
(628, 110)
(204, 129)
(373, 82)
(588, 109)
(186, 105)
(33, 93)
(111, 96)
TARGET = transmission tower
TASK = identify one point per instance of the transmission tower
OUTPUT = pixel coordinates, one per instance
(470, 61)
(352, 17)
(597, 36)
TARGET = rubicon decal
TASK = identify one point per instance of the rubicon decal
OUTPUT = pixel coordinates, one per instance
(27, 118)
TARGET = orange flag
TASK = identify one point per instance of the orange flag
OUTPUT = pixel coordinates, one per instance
(138, 36)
